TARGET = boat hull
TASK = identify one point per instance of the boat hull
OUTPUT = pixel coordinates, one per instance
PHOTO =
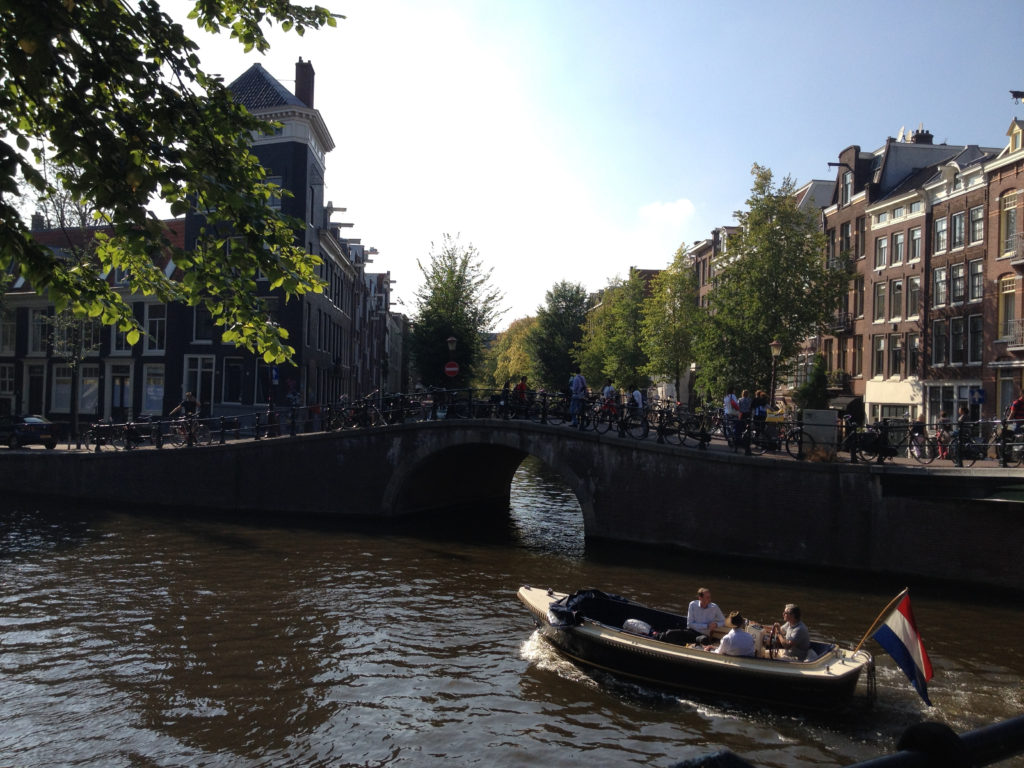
(827, 683)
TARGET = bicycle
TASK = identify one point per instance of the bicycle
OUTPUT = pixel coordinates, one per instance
(187, 431)
(774, 436)
(869, 443)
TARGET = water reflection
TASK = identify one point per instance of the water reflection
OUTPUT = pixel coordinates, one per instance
(128, 639)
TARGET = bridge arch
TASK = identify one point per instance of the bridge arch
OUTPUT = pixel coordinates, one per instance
(474, 467)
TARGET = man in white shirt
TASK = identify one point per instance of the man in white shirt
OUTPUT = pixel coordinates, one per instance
(738, 642)
(703, 616)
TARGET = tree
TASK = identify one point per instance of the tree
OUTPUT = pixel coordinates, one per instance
(113, 95)
(456, 300)
(776, 285)
(670, 318)
(814, 392)
(511, 356)
(610, 347)
(558, 329)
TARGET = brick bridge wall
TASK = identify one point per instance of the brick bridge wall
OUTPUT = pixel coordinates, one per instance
(962, 524)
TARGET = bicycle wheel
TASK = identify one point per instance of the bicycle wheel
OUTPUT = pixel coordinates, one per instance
(557, 412)
(673, 432)
(203, 435)
(925, 451)
(799, 444)
(758, 442)
(1014, 451)
(604, 421)
(117, 438)
(637, 427)
(89, 440)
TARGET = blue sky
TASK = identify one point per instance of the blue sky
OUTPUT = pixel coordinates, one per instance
(572, 139)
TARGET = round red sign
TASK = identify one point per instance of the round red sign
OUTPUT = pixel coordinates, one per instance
(451, 369)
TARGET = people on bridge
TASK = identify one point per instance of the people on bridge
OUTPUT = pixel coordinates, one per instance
(731, 411)
(187, 407)
(1015, 412)
(737, 642)
(578, 398)
(792, 634)
(636, 400)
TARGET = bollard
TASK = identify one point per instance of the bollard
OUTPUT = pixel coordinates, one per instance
(256, 428)
(223, 430)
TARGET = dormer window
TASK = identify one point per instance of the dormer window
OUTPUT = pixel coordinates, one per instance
(847, 187)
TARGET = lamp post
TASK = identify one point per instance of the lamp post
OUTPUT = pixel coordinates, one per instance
(776, 347)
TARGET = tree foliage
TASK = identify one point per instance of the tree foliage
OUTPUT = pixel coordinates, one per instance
(776, 285)
(671, 316)
(456, 299)
(558, 329)
(113, 95)
(511, 356)
(611, 345)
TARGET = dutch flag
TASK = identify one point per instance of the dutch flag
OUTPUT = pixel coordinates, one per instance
(898, 635)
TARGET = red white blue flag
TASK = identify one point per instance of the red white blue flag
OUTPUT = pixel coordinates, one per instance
(898, 635)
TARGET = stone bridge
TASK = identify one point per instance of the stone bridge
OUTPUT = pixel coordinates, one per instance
(946, 523)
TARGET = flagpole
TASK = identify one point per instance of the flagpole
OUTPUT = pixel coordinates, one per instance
(881, 616)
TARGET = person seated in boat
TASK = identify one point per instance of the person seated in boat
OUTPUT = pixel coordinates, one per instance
(703, 616)
(792, 635)
(737, 642)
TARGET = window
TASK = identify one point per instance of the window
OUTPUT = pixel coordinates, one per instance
(976, 280)
(977, 228)
(941, 234)
(878, 363)
(881, 251)
(232, 390)
(845, 240)
(895, 299)
(202, 326)
(938, 286)
(156, 327)
(915, 245)
(862, 236)
(858, 296)
(957, 283)
(60, 401)
(913, 296)
(847, 187)
(88, 388)
(7, 330)
(895, 355)
(7, 379)
(939, 342)
(913, 354)
(975, 339)
(1007, 307)
(858, 356)
(957, 223)
(274, 201)
(897, 247)
(899, 212)
(957, 341)
(878, 307)
(1008, 222)
(37, 332)
(916, 207)
(153, 394)
(119, 341)
(882, 217)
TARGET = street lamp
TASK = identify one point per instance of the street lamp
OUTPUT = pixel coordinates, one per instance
(776, 347)
(451, 346)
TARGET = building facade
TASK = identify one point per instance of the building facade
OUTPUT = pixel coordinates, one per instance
(347, 340)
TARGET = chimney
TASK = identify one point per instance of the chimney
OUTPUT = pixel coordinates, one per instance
(304, 75)
(921, 136)
(38, 222)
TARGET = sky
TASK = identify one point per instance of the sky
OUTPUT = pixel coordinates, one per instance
(573, 139)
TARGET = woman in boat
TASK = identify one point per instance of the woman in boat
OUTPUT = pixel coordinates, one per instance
(793, 634)
(737, 642)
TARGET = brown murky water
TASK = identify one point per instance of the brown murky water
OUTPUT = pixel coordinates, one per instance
(134, 640)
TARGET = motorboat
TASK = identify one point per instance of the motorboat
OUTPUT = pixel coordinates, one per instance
(612, 633)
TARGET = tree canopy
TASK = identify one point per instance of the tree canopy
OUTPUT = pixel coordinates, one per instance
(456, 300)
(558, 329)
(113, 97)
(776, 285)
(510, 356)
(671, 315)
(611, 348)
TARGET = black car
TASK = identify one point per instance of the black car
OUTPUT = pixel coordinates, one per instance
(16, 431)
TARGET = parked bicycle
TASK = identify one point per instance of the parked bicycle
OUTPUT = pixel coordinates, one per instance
(766, 436)
(868, 443)
(187, 431)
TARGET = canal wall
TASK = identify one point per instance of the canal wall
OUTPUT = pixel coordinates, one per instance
(942, 523)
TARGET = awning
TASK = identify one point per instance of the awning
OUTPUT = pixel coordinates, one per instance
(842, 403)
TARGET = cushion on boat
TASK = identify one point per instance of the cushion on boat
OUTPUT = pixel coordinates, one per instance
(637, 627)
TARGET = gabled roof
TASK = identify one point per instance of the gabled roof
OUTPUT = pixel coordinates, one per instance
(257, 89)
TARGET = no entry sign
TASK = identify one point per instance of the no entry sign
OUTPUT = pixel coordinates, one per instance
(451, 369)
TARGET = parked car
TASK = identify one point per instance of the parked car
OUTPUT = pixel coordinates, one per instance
(16, 431)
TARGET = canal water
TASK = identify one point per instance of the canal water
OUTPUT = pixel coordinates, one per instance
(133, 639)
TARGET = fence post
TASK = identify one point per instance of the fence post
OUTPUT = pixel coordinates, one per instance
(291, 427)
(223, 429)
(256, 428)
(158, 434)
